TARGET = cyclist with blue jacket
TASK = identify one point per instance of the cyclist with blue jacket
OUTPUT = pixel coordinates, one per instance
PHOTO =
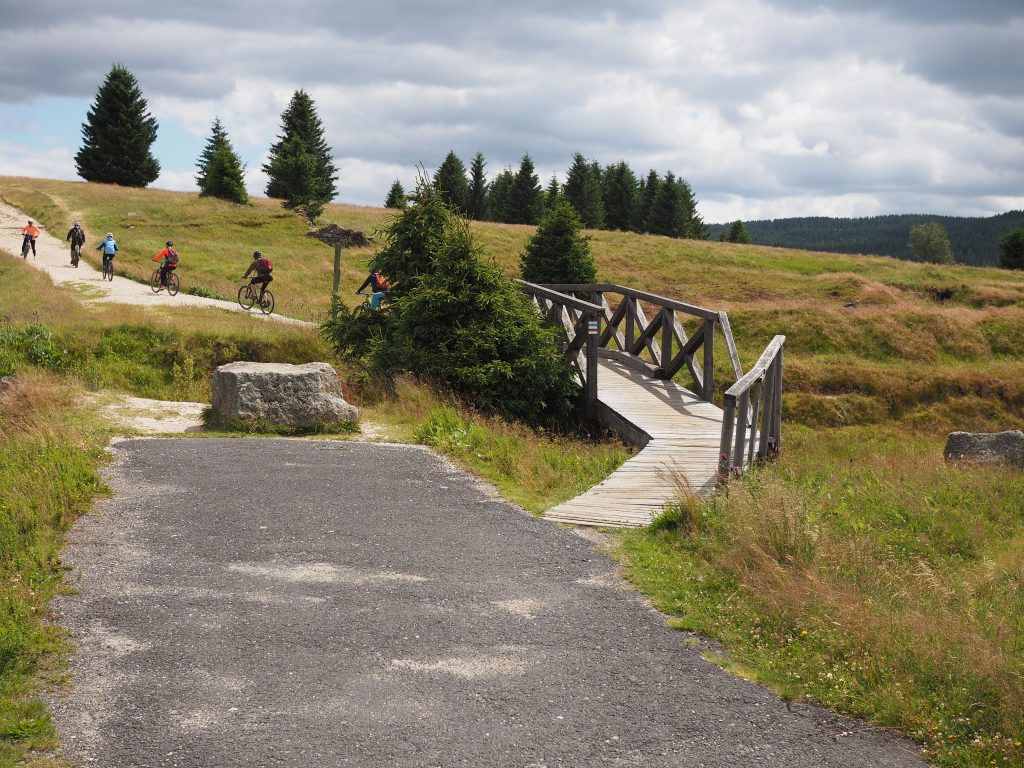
(109, 247)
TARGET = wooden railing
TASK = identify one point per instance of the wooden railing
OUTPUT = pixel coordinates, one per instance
(752, 414)
(594, 327)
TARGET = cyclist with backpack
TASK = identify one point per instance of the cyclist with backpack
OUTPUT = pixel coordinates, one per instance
(109, 247)
(378, 288)
(168, 259)
(76, 236)
(262, 266)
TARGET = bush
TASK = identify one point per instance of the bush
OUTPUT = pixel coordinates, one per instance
(453, 318)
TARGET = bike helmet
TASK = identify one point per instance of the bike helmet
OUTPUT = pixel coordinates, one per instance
(110, 234)
(169, 243)
(30, 221)
(77, 224)
(257, 254)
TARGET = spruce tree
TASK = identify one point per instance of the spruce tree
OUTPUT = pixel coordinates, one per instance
(693, 224)
(300, 168)
(582, 188)
(499, 196)
(477, 207)
(1011, 250)
(525, 201)
(737, 233)
(665, 216)
(396, 196)
(552, 194)
(451, 184)
(557, 253)
(647, 195)
(620, 197)
(117, 134)
(221, 173)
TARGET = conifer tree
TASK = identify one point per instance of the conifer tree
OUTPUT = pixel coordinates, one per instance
(552, 194)
(396, 196)
(499, 196)
(525, 201)
(477, 207)
(737, 233)
(1011, 250)
(117, 134)
(557, 253)
(582, 188)
(221, 173)
(620, 196)
(451, 184)
(693, 224)
(647, 195)
(665, 216)
(300, 168)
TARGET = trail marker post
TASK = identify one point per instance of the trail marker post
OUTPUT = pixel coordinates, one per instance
(337, 236)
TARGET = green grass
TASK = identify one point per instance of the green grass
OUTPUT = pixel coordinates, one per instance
(50, 450)
(862, 572)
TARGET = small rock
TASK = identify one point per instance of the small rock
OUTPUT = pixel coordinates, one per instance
(986, 447)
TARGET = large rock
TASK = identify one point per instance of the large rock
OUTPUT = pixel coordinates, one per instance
(986, 447)
(296, 396)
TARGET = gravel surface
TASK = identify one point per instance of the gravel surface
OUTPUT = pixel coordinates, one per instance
(259, 602)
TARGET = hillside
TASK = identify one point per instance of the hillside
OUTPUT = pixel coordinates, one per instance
(975, 240)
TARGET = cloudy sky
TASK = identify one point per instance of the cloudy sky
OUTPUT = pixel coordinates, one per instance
(769, 108)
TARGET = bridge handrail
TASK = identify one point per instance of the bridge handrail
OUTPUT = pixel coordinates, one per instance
(760, 387)
(653, 298)
(554, 295)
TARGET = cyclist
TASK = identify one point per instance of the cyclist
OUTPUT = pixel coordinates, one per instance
(378, 288)
(31, 232)
(262, 266)
(168, 259)
(109, 248)
(76, 235)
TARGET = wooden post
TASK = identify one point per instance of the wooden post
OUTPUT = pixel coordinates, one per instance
(668, 319)
(739, 449)
(777, 410)
(725, 449)
(593, 325)
(709, 360)
(337, 276)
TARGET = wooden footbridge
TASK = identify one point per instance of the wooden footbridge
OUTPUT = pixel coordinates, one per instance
(627, 363)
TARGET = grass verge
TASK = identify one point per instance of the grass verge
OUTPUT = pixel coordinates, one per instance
(863, 573)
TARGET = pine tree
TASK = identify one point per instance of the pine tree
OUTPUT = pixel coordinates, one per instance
(1011, 250)
(117, 134)
(499, 196)
(552, 194)
(300, 168)
(451, 184)
(737, 233)
(525, 201)
(620, 197)
(582, 188)
(477, 207)
(693, 224)
(396, 196)
(665, 216)
(648, 193)
(221, 173)
(557, 253)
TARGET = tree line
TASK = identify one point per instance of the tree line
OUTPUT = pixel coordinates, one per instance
(119, 131)
(973, 240)
(612, 197)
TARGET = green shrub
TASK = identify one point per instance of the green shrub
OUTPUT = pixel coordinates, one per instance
(557, 253)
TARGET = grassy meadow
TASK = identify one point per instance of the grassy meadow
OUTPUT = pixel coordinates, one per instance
(858, 570)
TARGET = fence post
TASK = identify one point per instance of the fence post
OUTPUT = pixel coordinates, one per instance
(725, 449)
(668, 320)
(777, 409)
(709, 360)
(593, 325)
(739, 450)
(337, 278)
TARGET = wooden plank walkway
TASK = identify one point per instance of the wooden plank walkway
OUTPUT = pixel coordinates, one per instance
(685, 434)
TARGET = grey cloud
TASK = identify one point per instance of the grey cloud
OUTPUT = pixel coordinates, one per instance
(920, 11)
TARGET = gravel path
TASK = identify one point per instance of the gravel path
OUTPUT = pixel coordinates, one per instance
(54, 258)
(258, 602)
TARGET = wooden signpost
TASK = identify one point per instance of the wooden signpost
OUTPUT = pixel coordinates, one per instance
(337, 236)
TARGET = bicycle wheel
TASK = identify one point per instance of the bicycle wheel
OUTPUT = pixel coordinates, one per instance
(267, 305)
(24, 248)
(246, 296)
(76, 254)
(108, 270)
(172, 283)
(154, 281)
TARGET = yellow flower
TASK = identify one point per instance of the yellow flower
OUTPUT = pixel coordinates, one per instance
(803, 631)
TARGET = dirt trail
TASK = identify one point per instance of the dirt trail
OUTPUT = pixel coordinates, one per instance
(54, 258)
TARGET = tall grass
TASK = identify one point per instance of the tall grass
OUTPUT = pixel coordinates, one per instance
(49, 454)
(864, 573)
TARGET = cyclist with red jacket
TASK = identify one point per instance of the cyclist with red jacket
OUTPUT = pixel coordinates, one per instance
(169, 262)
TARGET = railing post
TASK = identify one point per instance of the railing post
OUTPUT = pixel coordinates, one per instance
(725, 449)
(668, 320)
(709, 360)
(767, 411)
(777, 409)
(630, 320)
(593, 326)
(739, 450)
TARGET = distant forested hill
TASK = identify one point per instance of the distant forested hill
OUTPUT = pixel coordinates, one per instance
(975, 240)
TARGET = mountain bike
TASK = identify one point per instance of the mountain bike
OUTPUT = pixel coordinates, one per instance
(25, 245)
(108, 269)
(76, 254)
(172, 282)
(249, 294)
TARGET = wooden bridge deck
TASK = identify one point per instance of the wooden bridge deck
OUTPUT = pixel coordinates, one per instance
(685, 434)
